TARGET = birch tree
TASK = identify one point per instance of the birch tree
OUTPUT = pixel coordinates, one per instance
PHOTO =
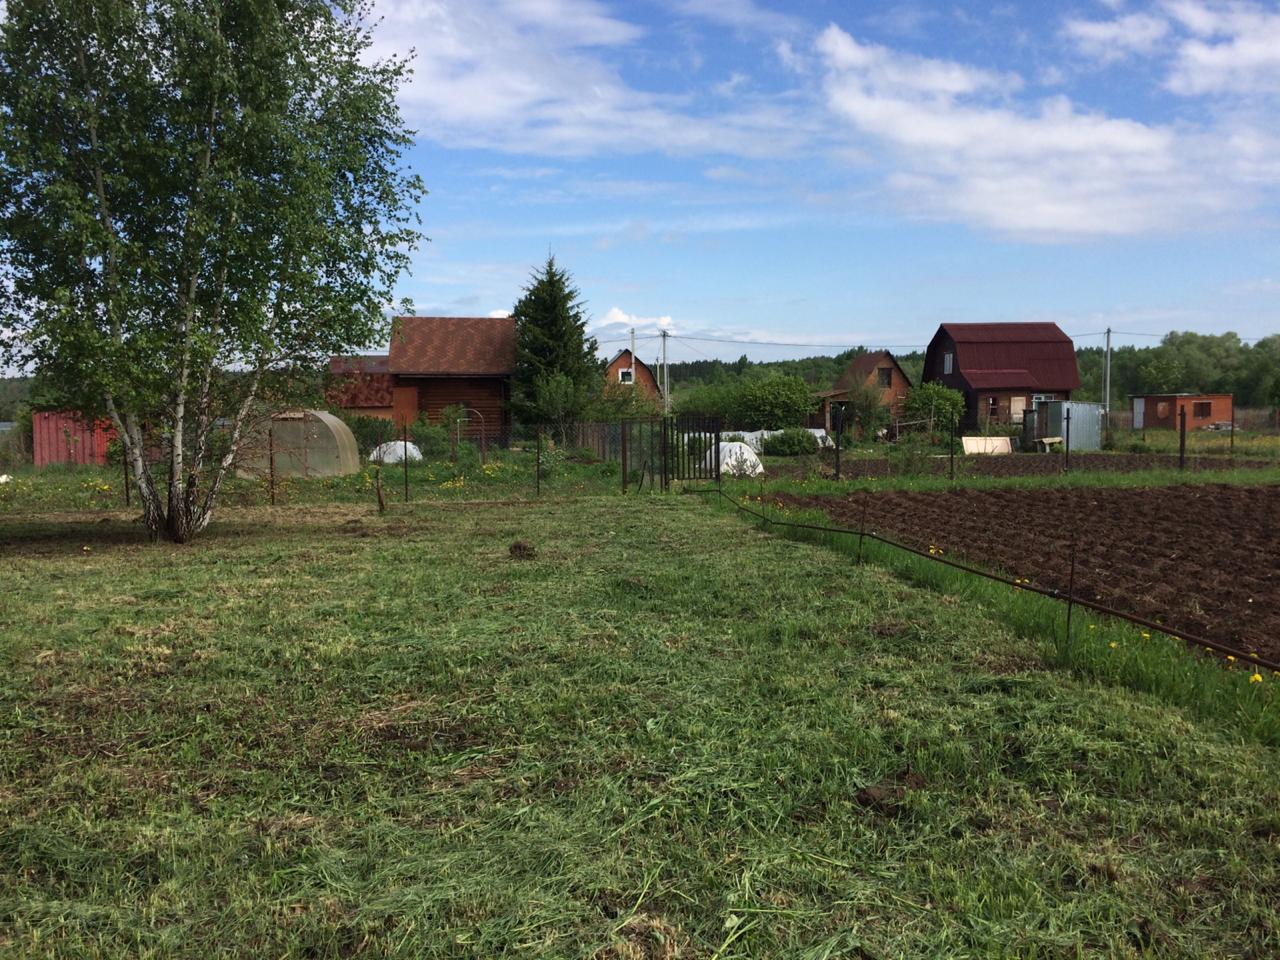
(196, 199)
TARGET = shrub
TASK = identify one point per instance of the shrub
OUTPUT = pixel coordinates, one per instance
(431, 439)
(368, 431)
(772, 403)
(789, 443)
(933, 401)
(865, 413)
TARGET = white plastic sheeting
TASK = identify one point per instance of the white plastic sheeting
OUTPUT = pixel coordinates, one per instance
(755, 438)
(736, 460)
(396, 451)
(987, 445)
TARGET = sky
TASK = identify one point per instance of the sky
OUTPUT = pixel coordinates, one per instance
(838, 173)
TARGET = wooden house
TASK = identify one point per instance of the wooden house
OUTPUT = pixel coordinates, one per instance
(1003, 369)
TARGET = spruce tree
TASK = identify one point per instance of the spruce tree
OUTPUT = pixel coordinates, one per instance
(556, 368)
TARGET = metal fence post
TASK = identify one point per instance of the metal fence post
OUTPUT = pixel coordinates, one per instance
(951, 448)
(862, 524)
(839, 431)
(1071, 587)
(1182, 437)
(404, 458)
(1233, 428)
(1066, 462)
(625, 465)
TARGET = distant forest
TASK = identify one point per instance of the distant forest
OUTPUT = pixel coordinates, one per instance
(1181, 362)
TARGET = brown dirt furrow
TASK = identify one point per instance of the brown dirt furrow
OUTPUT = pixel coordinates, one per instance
(1202, 559)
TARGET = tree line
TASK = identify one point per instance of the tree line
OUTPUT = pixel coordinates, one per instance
(1180, 363)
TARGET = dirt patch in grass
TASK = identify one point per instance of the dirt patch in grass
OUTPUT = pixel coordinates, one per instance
(1201, 559)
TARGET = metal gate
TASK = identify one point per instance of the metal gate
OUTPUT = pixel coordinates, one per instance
(665, 450)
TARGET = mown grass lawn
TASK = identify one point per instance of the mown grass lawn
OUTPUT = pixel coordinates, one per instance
(320, 732)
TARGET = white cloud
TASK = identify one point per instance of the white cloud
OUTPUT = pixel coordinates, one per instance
(617, 322)
(1044, 171)
(540, 77)
(1234, 48)
(497, 314)
(740, 14)
(1112, 40)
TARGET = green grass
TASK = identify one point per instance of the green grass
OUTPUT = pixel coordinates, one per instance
(1097, 646)
(1247, 443)
(779, 482)
(318, 732)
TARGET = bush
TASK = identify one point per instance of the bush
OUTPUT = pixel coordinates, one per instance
(431, 439)
(772, 403)
(789, 443)
(368, 431)
(933, 401)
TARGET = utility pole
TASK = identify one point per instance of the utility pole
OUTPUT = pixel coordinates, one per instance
(1106, 385)
(666, 376)
(632, 364)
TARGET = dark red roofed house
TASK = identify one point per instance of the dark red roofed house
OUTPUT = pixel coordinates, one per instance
(434, 363)
(1003, 369)
(877, 370)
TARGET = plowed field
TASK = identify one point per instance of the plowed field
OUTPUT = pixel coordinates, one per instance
(1032, 464)
(1202, 559)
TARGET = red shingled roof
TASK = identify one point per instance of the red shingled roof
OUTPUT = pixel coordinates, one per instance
(1013, 356)
(366, 364)
(453, 346)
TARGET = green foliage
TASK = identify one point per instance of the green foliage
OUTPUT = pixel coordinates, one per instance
(789, 443)
(933, 401)
(369, 432)
(865, 411)
(197, 202)
(772, 403)
(556, 370)
(432, 439)
(619, 401)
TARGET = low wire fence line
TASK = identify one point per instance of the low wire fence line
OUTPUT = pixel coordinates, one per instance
(1068, 596)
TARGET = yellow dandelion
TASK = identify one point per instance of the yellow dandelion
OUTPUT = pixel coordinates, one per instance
(1113, 644)
(1230, 659)
(1093, 626)
(1256, 678)
(1145, 635)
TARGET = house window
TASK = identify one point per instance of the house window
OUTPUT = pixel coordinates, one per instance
(1202, 409)
(886, 376)
(1162, 409)
(626, 376)
(1039, 398)
(948, 363)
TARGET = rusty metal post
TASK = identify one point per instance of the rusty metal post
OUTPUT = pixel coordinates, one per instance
(1182, 437)
(404, 458)
(271, 462)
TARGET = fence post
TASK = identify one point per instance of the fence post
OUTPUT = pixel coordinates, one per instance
(1066, 444)
(1071, 587)
(666, 451)
(625, 465)
(715, 456)
(839, 430)
(271, 463)
(404, 458)
(862, 524)
(1182, 437)
(951, 448)
(1233, 428)
(537, 468)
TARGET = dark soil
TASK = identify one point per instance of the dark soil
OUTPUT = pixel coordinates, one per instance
(1017, 465)
(1203, 559)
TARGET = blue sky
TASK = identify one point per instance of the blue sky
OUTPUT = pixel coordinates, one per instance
(849, 173)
